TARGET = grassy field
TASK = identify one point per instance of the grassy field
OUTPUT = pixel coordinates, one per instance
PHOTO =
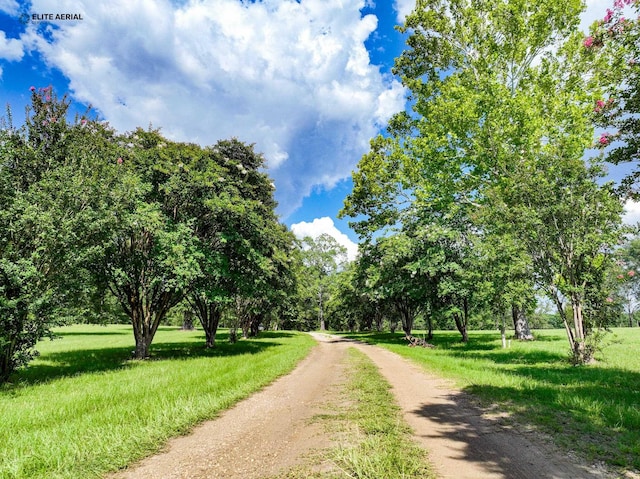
(84, 408)
(593, 410)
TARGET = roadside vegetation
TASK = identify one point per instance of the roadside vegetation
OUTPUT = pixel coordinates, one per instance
(81, 409)
(594, 410)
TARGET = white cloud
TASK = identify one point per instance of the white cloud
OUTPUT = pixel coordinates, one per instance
(631, 212)
(10, 48)
(403, 8)
(294, 78)
(325, 225)
(9, 6)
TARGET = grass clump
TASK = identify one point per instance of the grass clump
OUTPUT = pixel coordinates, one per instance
(593, 410)
(373, 440)
(83, 408)
(380, 443)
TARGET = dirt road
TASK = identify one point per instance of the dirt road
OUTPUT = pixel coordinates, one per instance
(272, 431)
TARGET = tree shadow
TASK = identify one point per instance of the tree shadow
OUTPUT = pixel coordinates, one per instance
(60, 364)
(589, 409)
(490, 443)
(62, 334)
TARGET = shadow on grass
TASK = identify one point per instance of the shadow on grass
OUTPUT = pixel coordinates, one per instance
(594, 410)
(485, 347)
(112, 332)
(55, 365)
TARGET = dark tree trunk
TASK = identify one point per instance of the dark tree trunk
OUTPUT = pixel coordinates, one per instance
(254, 326)
(520, 324)
(187, 321)
(146, 314)
(429, 328)
(379, 319)
(462, 320)
(407, 315)
(209, 314)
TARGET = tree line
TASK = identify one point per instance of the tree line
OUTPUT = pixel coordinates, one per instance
(486, 193)
(94, 223)
(489, 190)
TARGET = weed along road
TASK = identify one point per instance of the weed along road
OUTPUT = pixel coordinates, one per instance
(276, 432)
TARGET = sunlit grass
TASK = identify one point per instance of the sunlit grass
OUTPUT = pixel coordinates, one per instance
(84, 407)
(594, 410)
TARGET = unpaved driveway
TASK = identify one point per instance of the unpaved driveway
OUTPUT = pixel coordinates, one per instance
(272, 431)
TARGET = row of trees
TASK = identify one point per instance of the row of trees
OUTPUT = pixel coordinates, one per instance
(480, 195)
(476, 200)
(92, 221)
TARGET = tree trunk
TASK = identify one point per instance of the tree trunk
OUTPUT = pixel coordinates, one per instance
(320, 310)
(209, 314)
(393, 324)
(254, 326)
(379, 319)
(233, 335)
(462, 320)
(579, 350)
(461, 326)
(187, 321)
(429, 328)
(144, 328)
(520, 323)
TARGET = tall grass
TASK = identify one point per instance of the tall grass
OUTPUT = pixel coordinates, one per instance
(594, 410)
(84, 408)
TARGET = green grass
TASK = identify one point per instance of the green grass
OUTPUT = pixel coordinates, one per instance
(593, 410)
(373, 440)
(83, 408)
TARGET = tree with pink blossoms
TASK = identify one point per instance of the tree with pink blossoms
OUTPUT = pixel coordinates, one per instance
(612, 50)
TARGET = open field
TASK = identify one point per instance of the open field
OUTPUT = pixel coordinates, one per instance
(593, 410)
(83, 408)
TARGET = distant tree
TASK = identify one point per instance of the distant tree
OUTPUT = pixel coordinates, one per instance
(322, 258)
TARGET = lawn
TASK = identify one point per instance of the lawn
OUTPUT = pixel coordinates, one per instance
(593, 410)
(84, 408)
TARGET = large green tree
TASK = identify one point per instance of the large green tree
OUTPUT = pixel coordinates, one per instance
(32, 295)
(498, 104)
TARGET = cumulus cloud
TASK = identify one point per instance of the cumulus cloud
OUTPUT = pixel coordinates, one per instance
(10, 48)
(403, 8)
(631, 213)
(293, 78)
(325, 225)
(9, 6)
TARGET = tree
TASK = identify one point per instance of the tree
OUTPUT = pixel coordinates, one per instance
(30, 265)
(626, 275)
(498, 105)
(322, 258)
(243, 245)
(612, 52)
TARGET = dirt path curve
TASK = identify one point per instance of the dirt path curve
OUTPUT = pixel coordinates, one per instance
(271, 431)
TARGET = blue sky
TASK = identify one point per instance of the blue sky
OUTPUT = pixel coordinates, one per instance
(307, 81)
